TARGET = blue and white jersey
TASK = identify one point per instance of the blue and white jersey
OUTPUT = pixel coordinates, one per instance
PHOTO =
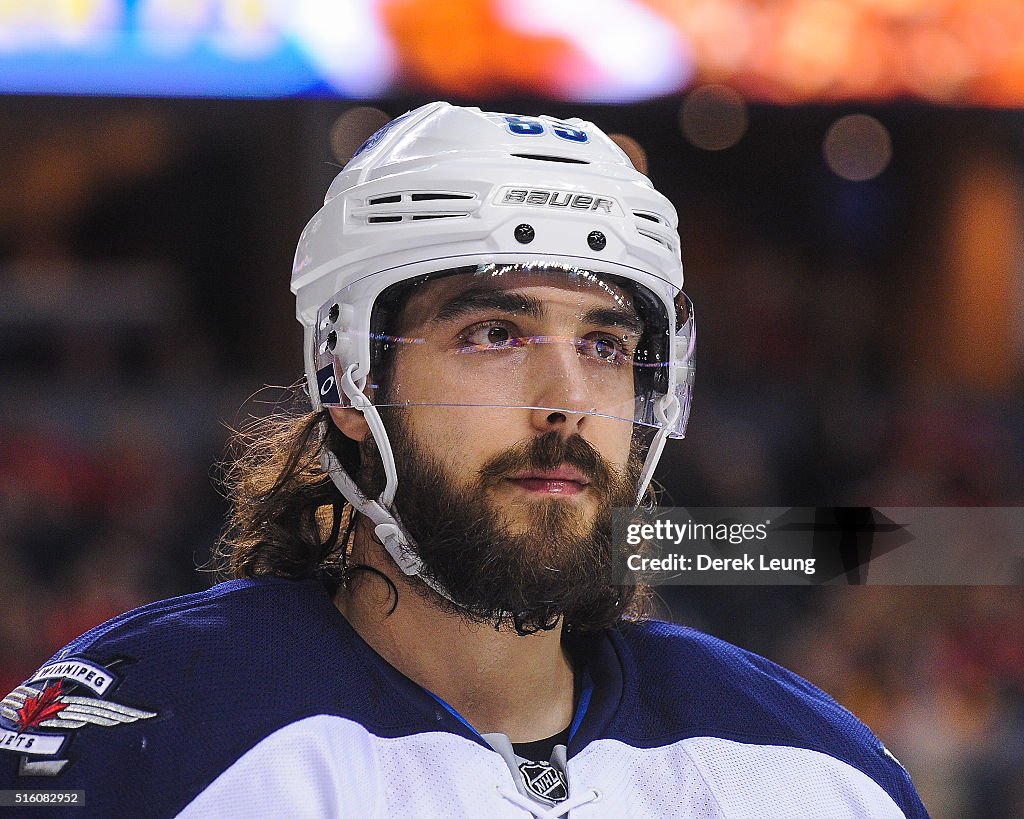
(256, 698)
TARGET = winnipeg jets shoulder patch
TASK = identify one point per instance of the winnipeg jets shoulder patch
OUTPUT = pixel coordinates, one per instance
(60, 698)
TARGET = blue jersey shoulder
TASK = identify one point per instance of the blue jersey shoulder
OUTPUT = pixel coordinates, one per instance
(684, 683)
(697, 681)
(247, 649)
(189, 685)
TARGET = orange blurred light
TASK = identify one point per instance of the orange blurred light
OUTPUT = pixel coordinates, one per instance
(871, 70)
(905, 10)
(815, 44)
(464, 48)
(722, 33)
(938, 66)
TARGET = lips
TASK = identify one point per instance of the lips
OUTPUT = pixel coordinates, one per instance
(565, 480)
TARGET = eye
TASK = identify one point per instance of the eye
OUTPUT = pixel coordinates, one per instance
(489, 334)
(498, 335)
(605, 348)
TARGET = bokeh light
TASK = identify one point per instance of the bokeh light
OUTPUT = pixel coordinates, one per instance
(352, 128)
(857, 147)
(633, 149)
(713, 117)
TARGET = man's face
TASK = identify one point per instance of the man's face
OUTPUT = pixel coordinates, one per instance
(506, 474)
(560, 345)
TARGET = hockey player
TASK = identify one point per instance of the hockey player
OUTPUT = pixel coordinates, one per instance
(422, 621)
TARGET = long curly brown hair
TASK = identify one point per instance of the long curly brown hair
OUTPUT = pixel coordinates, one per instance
(286, 518)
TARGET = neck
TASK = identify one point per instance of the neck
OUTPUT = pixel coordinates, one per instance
(497, 680)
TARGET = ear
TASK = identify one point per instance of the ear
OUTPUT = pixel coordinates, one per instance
(350, 422)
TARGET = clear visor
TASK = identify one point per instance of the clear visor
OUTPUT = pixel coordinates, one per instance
(552, 338)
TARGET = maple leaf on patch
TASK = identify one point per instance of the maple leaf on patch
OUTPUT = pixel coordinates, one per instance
(37, 709)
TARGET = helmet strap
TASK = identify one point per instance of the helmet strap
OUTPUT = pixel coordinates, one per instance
(667, 411)
(388, 529)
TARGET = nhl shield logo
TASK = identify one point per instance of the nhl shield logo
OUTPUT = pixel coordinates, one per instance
(544, 781)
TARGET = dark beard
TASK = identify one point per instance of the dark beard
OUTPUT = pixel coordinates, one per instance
(560, 567)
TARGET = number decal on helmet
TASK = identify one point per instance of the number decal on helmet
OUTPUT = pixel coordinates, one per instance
(560, 129)
(378, 135)
(528, 126)
(524, 126)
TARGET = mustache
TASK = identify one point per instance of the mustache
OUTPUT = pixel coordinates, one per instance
(549, 451)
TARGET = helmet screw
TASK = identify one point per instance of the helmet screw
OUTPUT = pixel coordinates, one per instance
(596, 240)
(332, 340)
(524, 234)
(335, 312)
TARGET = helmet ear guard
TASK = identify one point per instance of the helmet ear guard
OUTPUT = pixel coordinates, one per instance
(444, 189)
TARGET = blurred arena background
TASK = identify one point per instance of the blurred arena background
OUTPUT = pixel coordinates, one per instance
(850, 182)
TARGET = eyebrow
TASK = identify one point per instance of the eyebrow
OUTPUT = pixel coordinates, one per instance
(474, 300)
(614, 317)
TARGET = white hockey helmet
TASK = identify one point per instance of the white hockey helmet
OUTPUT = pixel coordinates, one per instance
(446, 190)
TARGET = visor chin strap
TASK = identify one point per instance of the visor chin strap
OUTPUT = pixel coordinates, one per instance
(667, 411)
(388, 528)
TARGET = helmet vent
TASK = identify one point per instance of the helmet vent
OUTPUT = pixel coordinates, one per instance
(379, 218)
(437, 216)
(651, 217)
(654, 237)
(413, 206)
(547, 158)
(424, 197)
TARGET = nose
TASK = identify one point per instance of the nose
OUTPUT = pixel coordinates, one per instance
(560, 389)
